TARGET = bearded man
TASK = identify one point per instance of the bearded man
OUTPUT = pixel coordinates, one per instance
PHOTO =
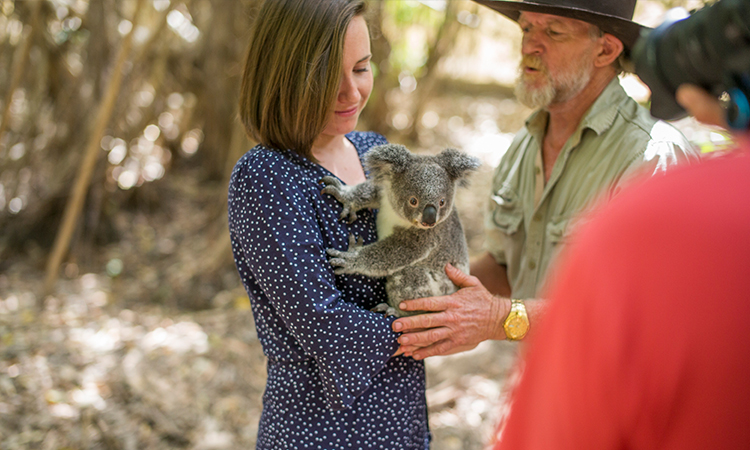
(586, 140)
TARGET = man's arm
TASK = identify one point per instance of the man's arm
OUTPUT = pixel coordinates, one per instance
(492, 275)
(459, 321)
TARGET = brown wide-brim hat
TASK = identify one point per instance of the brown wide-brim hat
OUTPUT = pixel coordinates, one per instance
(612, 16)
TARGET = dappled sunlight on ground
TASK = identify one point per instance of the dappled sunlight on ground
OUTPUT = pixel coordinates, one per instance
(465, 392)
(85, 369)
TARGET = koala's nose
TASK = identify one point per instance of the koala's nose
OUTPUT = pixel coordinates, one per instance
(429, 215)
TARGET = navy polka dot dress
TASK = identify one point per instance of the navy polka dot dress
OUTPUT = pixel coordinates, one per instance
(332, 383)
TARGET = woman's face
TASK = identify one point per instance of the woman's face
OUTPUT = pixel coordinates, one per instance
(356, 80)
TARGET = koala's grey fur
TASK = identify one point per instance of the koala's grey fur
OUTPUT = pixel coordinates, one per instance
(418, 227)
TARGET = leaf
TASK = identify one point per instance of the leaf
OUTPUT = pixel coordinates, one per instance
(242, 303)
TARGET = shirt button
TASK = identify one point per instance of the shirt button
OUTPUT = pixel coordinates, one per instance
(532, 265)
(537, 217)
(538, 170)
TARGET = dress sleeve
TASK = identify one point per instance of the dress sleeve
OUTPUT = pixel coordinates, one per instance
(273, 219)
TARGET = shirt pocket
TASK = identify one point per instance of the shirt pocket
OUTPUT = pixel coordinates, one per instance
(507, 213)
(560, 229)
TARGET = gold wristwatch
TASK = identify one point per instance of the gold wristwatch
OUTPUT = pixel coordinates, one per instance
(516, 325)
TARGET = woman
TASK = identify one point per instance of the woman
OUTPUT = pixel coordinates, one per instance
(332, 380)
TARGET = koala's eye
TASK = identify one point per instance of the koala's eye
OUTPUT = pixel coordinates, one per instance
(413, 201)
(442, 202)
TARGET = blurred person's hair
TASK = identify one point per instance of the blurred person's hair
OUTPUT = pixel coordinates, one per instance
(293, 70)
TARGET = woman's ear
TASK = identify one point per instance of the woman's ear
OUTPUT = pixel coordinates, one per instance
(610, 50)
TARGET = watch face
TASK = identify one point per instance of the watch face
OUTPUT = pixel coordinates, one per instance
(516, 328)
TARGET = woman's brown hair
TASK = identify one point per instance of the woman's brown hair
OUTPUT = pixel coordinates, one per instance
(293, 70)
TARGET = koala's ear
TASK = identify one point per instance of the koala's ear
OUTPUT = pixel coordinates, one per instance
(457, 164)
(387, 158)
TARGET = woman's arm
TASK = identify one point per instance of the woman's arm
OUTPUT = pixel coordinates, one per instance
(273, 220)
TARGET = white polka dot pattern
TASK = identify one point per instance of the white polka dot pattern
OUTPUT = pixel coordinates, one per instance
(331, 381)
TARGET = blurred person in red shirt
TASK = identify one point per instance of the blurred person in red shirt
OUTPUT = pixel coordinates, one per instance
(645, 345)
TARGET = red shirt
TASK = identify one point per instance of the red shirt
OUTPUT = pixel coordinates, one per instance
(647, 341)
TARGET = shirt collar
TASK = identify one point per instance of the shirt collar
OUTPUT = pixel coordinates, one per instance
(598, 118)
(602, 113)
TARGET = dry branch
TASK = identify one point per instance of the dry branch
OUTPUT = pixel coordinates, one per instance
(20, 67)
(75, 204)
(444, 42)
(155, 36)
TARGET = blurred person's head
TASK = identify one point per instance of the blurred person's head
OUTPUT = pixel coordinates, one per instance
(307, 72)
(568, 43)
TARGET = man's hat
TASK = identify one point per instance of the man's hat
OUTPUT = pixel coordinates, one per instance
(612, 16)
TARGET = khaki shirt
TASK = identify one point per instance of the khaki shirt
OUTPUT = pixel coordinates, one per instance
(527, 222)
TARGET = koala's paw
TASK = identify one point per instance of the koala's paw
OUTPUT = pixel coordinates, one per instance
(356, 243)
(337, 189)
(387, 309)
(345, 262)
(332, 186)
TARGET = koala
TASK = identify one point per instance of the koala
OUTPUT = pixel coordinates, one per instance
(418, 227)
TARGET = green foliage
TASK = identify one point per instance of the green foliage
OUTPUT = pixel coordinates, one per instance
(412, 26)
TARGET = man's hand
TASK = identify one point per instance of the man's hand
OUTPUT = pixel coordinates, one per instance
(701, 105)
(457, 322)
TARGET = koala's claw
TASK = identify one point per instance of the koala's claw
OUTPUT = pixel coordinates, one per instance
(332, 187)
(335, 188)
(340, 266)
(352, 215)
(343, 261)
(387, 309)
(330, 181)
(355, 242)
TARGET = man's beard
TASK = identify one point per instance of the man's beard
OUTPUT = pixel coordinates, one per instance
(554, 89)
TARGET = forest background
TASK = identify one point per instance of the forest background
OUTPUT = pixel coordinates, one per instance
(123, 322)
